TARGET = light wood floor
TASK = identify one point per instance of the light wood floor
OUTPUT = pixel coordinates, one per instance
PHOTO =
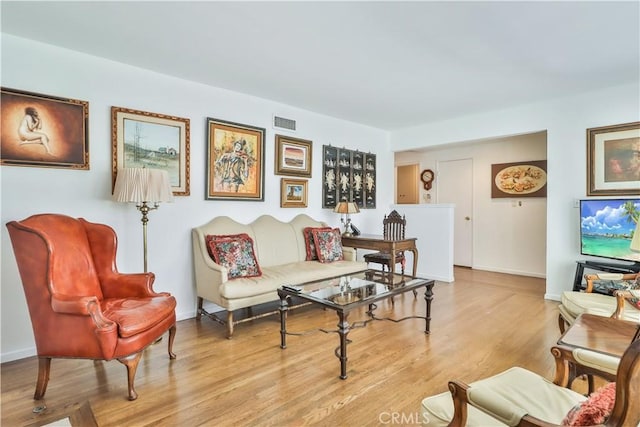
(481, 324)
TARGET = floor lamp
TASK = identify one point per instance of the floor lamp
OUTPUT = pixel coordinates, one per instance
(146, 188)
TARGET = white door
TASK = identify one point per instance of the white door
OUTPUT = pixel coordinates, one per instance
(455, 185)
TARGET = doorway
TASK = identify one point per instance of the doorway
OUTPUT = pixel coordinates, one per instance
(455, 186)
(407, 184)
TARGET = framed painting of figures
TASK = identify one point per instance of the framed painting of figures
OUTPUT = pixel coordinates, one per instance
(613, 160)
(235, 161)
(43, 130)
(369, 180)
(329, 176)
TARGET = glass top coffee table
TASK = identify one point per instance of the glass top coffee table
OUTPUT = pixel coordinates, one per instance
(349, 292)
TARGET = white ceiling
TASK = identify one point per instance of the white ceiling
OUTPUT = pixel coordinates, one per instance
(384, 64)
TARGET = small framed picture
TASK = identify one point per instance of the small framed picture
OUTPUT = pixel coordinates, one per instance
(150, 140)
(613, 160)
(293, 193)
(43, 130)
(235, 161)
(293, 156)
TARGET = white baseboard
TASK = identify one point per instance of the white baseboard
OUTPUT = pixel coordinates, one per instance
(509, 271)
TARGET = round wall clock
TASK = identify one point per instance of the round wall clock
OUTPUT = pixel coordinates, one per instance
(427, 176)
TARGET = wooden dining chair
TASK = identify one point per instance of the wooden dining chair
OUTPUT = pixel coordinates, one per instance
(393, 229)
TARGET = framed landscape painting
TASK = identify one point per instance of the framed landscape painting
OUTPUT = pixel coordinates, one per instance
(293, 156)
(293, 193)
(613, 160)
(235, 161)
(43, 130)
(150, 140)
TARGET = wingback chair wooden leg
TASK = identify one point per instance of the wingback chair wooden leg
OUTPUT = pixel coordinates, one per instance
(44, 367)
(172, 336)
(131, 362)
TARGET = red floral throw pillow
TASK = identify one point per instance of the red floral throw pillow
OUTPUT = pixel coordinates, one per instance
(595, 410)
(328, 244)
(235, 252)
(309, 242)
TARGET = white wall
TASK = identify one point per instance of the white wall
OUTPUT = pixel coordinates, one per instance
(506, 238)
(46, 69)
(566, 121)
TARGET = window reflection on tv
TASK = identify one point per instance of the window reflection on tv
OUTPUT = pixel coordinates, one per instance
(609, 228)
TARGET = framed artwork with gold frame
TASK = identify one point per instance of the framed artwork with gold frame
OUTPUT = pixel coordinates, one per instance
(613, 160)
(293, 193)
(293, 156)
(235, 161)
(43, 130)
(151, 140)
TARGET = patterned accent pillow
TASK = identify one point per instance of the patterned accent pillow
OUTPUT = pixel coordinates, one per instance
(595, 410)
(309, 242)
(328, 244)
(235, 252)
(634, 299)
(610, 286)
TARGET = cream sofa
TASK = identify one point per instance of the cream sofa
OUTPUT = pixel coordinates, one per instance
(280, 251)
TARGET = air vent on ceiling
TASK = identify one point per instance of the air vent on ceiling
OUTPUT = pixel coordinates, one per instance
(285, 124)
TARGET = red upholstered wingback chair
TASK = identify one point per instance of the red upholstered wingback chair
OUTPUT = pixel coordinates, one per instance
(80, 305)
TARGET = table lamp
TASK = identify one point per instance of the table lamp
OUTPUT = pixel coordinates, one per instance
(346, 209)
(146, 188)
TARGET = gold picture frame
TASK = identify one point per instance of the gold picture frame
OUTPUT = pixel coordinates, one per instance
(293, 156)
(43, 130)
(613, 160)
(151, 140)
(235, 161)
(293, 193)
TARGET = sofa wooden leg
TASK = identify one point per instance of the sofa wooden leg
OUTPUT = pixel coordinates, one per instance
(199, 308)
(44, 367)
(131, 362)
(229, 324)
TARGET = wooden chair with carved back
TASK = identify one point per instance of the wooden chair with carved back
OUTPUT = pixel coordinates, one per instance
(393, 229)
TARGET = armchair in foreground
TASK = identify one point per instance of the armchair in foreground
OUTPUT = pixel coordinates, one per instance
(575, 303)
(518, 397)
(80, 305)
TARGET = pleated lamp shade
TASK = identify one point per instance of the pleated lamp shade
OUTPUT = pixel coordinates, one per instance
(137, 185)
(346, 208)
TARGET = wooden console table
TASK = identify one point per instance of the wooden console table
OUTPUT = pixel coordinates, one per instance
(379, 243)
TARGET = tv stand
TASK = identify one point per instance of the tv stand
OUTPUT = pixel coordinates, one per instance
(608, 267)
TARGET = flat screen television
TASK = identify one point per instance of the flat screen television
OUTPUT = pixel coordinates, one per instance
(609, 228)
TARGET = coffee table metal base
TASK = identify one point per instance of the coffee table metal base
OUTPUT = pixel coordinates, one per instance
(344, 327)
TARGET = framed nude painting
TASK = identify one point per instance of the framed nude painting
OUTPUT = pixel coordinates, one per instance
(43, 130)
(151, 140)
(235, 161)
